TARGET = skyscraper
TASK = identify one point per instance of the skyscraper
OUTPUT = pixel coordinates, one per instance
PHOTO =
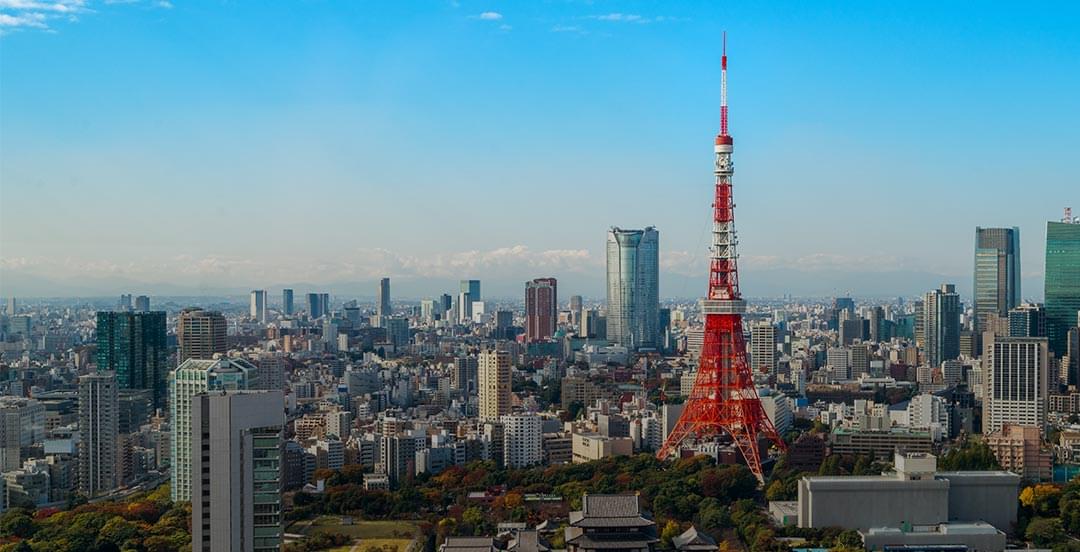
(382, 305)
(541, 308)
(237, 452)
(941, 323)
(494, 382)
(191, 378)
(200, 334)
(99, 410)
(997, 273)
(1027, 320)
(258, 305)
(314, 309)
(1016, 382)
(1062, 280)
(287, 305)
(472, 287)
(469, 294)
(324, 304)
(132, 344)
(22, 424)
(763, 348)
(633, 287)
(575, 311)
(142, 303)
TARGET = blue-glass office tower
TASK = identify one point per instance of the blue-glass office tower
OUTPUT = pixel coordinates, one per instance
(1062, 282)
(633, 287)
(997, 273)
(132, 344)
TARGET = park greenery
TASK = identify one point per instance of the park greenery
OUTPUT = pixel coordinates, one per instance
(147, 522)
(723, 500)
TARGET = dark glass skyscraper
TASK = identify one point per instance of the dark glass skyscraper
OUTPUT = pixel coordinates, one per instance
(287, 305)
(997, 273)
(132, 344)
(941, 324)
(1062, 282)
(1027, 320)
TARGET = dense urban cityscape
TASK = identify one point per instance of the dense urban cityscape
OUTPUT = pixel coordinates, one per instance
(306, 419)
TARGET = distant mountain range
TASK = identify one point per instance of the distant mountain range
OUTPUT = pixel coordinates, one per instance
(755, 283)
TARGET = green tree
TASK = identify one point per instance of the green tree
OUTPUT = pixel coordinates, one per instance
(1043, 532)
(117, 531)
(17, 523)
(775, 491)
(849, 539)
(671, 530)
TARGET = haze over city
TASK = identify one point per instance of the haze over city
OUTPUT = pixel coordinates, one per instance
(188, 148)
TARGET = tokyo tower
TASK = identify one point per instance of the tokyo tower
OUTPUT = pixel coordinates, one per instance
(724, 400)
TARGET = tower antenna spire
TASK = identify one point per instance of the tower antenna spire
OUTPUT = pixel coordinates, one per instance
(723, 89)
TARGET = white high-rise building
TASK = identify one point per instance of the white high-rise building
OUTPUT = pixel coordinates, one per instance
(1016, 381)
(522, 440)
(427, 310)
(779, 409)
(191, 378)
(493, 375)
(763, 348)
(930, 412)
(237, 451)
(99, 418)
(652, 433)
(258, 305)
(633, 287)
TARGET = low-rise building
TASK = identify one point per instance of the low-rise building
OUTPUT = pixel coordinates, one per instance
(880, 443)
(916, 494)
(1019, 449)
(593, 446)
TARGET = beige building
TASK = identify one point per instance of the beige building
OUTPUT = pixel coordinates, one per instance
(1019, 449)
(593, 446)
(493, 374)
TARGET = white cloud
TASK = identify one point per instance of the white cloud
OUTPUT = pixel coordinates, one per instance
(568, 29)
(61, 6)
(490, 16)
(618, 17)
(622, 18)
(512, 262)
(33, 20)
(37, 14)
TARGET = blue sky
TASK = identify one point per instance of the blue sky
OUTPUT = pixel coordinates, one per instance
(249, 144)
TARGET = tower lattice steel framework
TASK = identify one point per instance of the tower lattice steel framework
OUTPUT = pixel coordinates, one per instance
(724, 400)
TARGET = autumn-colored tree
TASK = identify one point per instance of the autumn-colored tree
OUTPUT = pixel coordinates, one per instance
(670, 531)
(1041, 498)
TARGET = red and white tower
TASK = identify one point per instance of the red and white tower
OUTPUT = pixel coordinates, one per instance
(724, 400)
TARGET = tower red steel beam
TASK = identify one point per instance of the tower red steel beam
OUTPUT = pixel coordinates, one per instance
(724, 400)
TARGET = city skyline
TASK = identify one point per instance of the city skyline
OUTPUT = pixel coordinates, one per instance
(893, 102)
